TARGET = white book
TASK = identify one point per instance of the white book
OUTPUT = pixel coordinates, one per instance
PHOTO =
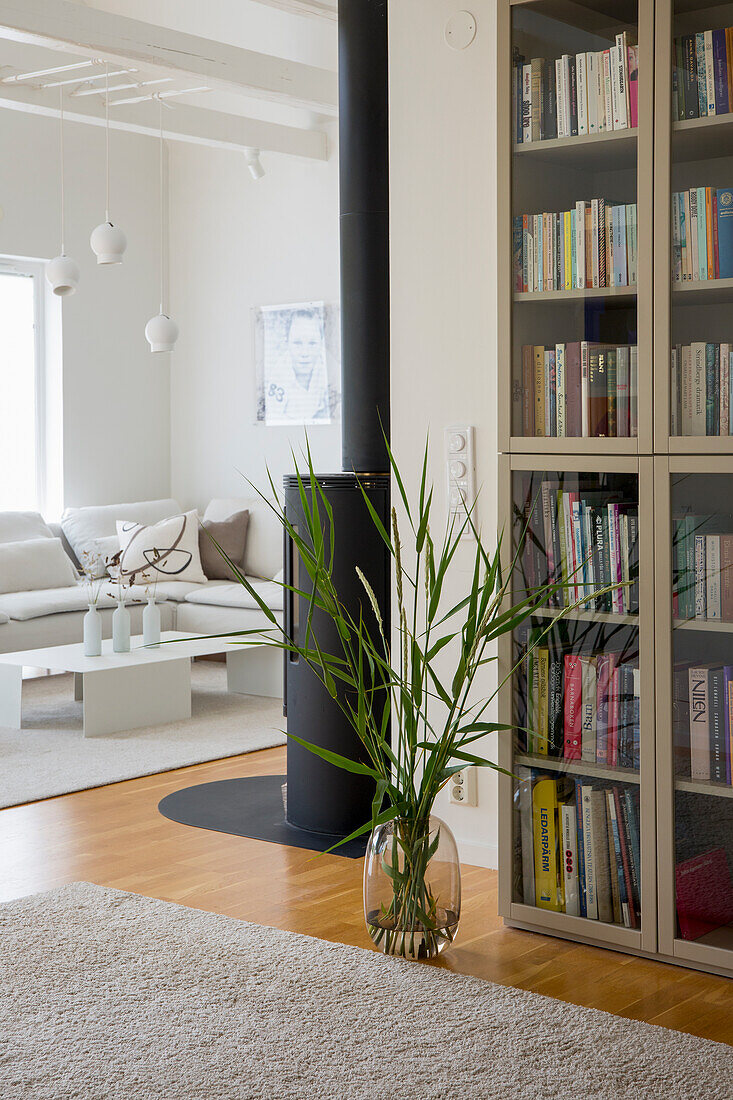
(607, 94)
(526, 103)
(615, 88)
(634, 391)
(569, 841)
(559, 100)
(692, 230)
(724, 428)
(631, 246)
(600, 93)
(709, 72)
(566, 93)
(622, 63)
(560, 392)
(698, 391)
(712, 577)
(674, 390)
(591, 80)
(549, 426)
(613, 554)
(591, 897)
(676, 242)
(524, 776)
(580, 245)
(588, 708)
(581, 90)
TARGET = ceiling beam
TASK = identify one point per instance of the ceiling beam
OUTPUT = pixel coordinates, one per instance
(328, 9)
(91, 32)
(196, 125)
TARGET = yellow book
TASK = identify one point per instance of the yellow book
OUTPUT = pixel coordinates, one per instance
(543, 700)
(544, 822)
(568, 242)
(539, 389)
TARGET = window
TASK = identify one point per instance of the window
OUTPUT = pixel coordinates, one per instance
(26, 397)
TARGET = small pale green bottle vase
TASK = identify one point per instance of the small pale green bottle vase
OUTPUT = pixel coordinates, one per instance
(412, 887)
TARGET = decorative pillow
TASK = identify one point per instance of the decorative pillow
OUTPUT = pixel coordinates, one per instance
(231, 534)
(23, 526)
(84, 526)
(168, 550)
(31, 564)
(95, 557)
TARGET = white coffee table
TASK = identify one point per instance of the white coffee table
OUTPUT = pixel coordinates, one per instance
(124, 691)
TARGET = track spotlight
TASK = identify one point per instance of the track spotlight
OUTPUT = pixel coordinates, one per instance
(252, 156)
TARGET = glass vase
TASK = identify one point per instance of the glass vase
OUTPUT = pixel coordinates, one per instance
(412, 887)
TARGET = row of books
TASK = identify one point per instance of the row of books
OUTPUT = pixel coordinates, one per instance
(584, 93)
(579, 389)
(580, 847)
(580, 706)
(594, 245)
(702, 234)
(703, 722)
(702, 77)
(584, 541)
(702, 569)
(701, 377)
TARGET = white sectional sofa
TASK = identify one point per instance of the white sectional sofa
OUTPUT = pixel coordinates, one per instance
(47, 616)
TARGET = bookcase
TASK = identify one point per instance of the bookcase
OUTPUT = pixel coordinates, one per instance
(615, 376)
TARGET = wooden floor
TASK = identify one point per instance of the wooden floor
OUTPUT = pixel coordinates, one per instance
(114, 836)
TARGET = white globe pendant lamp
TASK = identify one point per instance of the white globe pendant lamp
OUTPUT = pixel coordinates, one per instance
(108, 241)
(161, 331)
(62, 272)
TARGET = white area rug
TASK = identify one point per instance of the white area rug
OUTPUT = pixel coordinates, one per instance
(107, 994)
(51, 756)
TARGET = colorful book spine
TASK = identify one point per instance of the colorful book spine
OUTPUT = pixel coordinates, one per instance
(544, 804)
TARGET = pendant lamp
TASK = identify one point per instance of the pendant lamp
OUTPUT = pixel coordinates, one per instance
(62, 272)
(161, 332)
(108, 241)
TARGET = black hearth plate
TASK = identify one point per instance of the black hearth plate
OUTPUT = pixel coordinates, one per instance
(250, 807)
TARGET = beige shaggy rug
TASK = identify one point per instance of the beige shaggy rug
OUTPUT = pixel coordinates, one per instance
(106, 994)
(51, 756)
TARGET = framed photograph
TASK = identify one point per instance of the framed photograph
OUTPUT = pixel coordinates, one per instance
(297, 359)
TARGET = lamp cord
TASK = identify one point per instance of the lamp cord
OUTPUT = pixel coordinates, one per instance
(61, 147)
(160, 123)
(106, 132)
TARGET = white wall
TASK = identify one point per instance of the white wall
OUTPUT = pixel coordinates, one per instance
(443, 199)
(115, 394)
(237, 243)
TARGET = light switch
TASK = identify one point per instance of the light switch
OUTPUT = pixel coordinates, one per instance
(461, 471)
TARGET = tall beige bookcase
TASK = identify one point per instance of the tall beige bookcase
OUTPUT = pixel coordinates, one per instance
(616, 820)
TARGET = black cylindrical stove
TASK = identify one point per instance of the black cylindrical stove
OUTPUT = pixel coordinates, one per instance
(321, 797)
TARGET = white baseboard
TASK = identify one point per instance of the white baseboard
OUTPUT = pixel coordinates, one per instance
(479, 855)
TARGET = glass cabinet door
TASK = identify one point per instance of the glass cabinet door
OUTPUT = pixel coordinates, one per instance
(696, 216)
(576, 703)
(700, 720)
(579, 233)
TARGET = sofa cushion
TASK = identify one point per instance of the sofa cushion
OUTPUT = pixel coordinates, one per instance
(231, 536)
(21, 526)
(4, 618)
(84, 526)
(176, 591)
(52, 601)
(263, 555)
(236, 595)
(168, 549)
(33, 564)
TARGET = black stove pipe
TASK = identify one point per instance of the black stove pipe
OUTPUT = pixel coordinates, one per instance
(364, 228)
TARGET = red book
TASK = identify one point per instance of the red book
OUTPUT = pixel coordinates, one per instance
(573, 418)
(613, 719)
(704, 894)
(572, 741)
(726, 579)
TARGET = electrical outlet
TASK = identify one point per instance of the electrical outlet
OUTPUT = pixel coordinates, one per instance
(462, 788)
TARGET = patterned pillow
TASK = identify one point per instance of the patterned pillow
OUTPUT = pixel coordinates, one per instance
(168, 550)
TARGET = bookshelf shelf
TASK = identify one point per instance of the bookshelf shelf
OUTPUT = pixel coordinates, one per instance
(589, 616)
(591, 152)
(703, 292)
(702, 138)
(578, 767)
(696, 786)
(715, 626)
(626, 293)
